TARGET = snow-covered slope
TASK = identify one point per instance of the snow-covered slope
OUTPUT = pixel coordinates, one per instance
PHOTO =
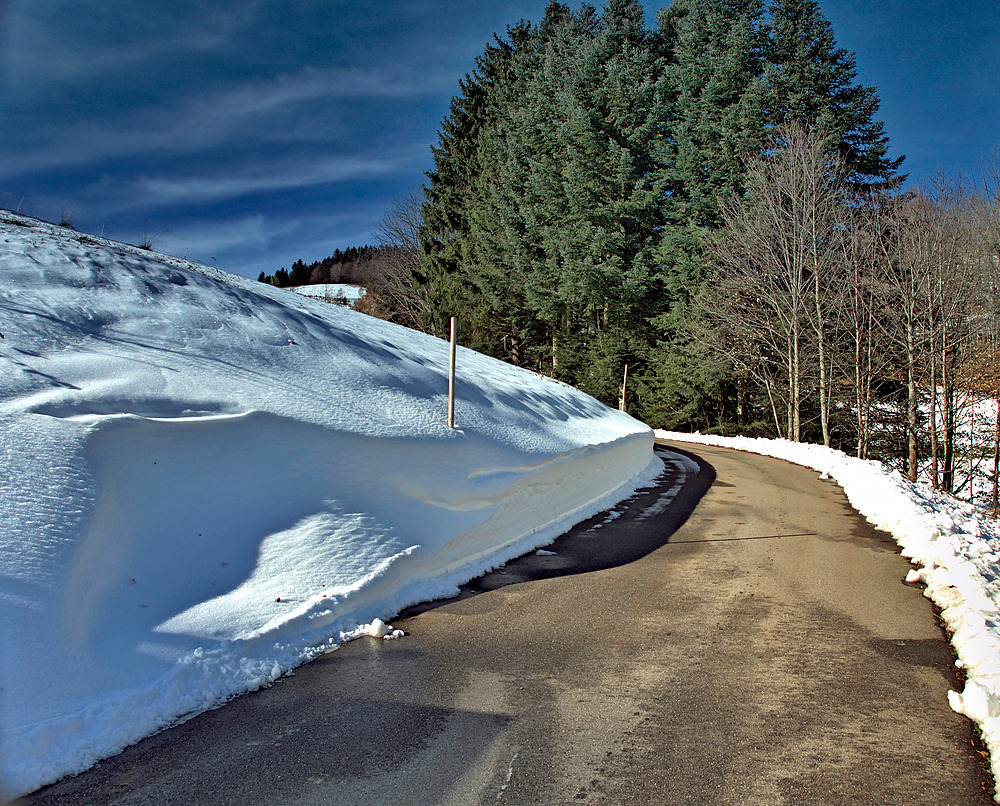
(208, 480)
(956, 551)
(331, 292)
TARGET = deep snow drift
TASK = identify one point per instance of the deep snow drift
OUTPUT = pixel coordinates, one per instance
(209, 480)
(954, 548)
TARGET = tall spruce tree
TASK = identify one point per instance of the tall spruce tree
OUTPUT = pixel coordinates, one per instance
(716, 117)
(626, 174)
(517, 201)
(585, 159)
(452, 182)
(812, 82)
(569, 200)
(712, 52)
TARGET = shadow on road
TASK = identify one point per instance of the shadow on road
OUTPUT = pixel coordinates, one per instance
(623, 534)
(329, 735)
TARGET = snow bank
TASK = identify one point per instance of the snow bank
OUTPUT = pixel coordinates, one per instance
(211, 480)
(956, 551)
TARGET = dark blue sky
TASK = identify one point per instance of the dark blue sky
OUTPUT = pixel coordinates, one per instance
(249, 133)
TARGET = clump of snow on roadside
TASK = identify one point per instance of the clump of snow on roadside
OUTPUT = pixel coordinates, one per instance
(378, 629)
(209, 480)
(956, 551)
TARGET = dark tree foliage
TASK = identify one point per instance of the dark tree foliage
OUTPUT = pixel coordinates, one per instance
(582, 164)
(351, 265)
(812, 82)
(450, 192)
(716, 113)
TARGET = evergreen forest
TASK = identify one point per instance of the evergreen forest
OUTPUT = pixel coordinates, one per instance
(582, 170)
(700, 222)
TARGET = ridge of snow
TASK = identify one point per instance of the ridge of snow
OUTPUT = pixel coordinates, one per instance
(215, 480)
(954, 548)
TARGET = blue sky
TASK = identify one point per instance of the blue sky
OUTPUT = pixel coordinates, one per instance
(250, 133)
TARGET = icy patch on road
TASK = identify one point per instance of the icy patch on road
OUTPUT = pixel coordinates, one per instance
(687, 469)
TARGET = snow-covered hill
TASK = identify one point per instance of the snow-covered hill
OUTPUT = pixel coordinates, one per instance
(208, 481)
(342, 293)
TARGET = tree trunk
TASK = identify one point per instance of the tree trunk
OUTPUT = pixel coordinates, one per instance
(932, 352)
(948, 415)
(515, 350)
(740, 407)
(824, 395)
(996, 454)
(866, 378)
(797, 385)
(774, 407)
(911, 404)
(862, 367)
(858, 398)
(789, 401)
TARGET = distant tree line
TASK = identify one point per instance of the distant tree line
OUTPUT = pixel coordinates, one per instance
(386, 270)
(349, 266)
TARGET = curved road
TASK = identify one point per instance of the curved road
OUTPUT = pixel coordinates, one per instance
(763, 650)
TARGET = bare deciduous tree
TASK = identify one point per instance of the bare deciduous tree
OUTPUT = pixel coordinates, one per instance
(776, 257)
(834, 302)
(392, 292)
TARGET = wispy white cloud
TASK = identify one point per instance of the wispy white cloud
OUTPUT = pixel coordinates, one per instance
(199, 189)
(267, 109)
(84, 42)
(227, 184)
(217, 237)
(258, 243)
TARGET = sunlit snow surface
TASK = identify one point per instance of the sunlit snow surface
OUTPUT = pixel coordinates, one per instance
(955, 551)
(208, 480)
(331, 292)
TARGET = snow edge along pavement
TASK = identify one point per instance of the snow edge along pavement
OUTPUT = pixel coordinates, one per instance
(217, 477)
(218, 671)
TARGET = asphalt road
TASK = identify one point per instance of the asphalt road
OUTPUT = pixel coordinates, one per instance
(764, 650)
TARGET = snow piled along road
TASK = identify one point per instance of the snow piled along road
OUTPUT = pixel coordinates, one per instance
(210, 481)
(954, 548)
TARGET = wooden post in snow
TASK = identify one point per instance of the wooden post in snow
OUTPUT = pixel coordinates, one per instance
(621, 399)
(451, 373)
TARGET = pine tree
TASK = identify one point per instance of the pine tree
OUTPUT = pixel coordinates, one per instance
(452, 188)
(585, 160)
(626, 173)
(570, 207)
(715, 122)
(812, 82)
(511, 257)
(712, 52)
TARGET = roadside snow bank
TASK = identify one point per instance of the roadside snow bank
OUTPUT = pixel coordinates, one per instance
(956, 549)
(212, 480)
